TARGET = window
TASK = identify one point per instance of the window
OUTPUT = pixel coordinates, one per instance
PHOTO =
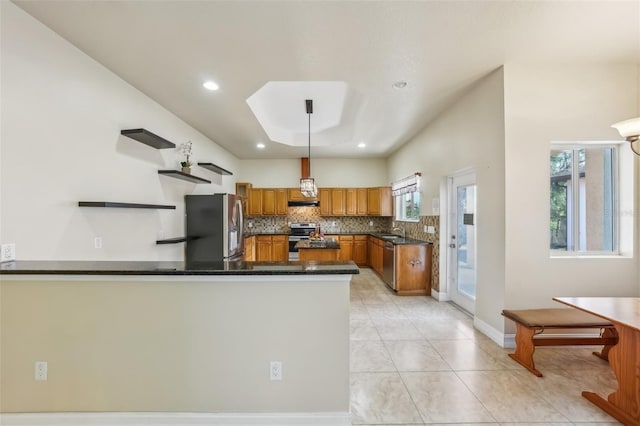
(583, 199)
(406, 193)
(407, 207)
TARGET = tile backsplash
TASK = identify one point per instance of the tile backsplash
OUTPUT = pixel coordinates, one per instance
(364, 224)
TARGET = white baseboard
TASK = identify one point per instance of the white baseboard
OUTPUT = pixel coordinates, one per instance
(440, 297)
(173, 419)
(503, 340)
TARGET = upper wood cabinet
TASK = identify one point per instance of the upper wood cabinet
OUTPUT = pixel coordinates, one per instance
(338, 202)
(294, 194)
(267, 202)
(356, 201)
(379, 201)
(324, 197)
(274, 201)
(242, 189)
(255, 202)
(361, 202)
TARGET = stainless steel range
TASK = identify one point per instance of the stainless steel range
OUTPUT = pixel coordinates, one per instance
(299, 232)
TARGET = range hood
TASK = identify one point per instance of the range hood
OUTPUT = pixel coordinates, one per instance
(310, 203)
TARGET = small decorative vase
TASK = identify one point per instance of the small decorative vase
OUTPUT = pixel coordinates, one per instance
(186, 170)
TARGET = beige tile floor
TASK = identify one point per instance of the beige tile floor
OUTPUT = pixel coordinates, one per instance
(417, 361)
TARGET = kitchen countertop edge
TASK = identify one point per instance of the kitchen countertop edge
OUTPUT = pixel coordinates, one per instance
(176, 268)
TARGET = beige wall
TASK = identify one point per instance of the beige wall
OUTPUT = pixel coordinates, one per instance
(60, 143)
(469, 135)
(183, 345)
(328, 172)
(560, 103)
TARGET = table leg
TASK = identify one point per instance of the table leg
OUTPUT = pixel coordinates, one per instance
(624, 358)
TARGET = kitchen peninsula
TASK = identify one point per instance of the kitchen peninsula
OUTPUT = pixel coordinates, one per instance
(176, 337)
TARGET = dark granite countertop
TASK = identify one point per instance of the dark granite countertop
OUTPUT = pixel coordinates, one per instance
(29, 267)
(253, 234)
(324, 244)
(399, 240)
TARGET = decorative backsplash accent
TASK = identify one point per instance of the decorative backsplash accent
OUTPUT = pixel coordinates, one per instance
(278, 224)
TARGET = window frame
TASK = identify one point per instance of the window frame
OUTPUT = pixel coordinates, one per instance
(575, 177)
(398, 208)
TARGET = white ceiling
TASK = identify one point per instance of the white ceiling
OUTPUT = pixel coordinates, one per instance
(167, 49)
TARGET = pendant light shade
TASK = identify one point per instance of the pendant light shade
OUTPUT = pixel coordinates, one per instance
(308, 186)
(630, 130)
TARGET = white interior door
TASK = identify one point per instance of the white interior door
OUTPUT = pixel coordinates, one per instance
(462, 226)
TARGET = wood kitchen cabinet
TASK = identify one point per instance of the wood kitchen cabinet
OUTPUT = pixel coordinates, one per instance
(294, 194)
(356, 201)
(255, 202)
(279, 248)
(338, 202)
(359, 255)
(324, 197)
(274, 202)
(272, 248)
(379, 201)
(250, 249)
(375, 254)
(413, 269)
(346, 247)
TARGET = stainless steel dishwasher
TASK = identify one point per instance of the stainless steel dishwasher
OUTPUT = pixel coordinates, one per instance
(388, 273)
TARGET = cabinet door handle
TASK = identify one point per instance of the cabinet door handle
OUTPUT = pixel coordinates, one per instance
(415, 262)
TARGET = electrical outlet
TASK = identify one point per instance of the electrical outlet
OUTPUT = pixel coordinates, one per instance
(250, 225)
(333, 224)
(431, 230)
(275, 370)
(41, 371)
(370, 223)
(97, 242)
(8, 252)
(424, 228)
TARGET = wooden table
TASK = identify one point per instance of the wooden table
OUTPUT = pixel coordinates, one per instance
(624, 358)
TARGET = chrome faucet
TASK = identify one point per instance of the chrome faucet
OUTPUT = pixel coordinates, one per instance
(398, 228)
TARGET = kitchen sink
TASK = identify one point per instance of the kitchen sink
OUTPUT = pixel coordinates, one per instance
(390, 237)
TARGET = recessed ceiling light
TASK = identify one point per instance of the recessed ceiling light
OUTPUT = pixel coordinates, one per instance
(260, 145)
(399, 84)
(362, 145)
(210, 85)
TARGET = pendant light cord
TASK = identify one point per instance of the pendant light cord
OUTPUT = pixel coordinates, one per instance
(309, 114)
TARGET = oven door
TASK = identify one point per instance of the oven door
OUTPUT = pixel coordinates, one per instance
(293, 240)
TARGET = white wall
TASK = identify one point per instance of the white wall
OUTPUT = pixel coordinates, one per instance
(62, 113)
(558, 103)
(328, 172)
(469, 135)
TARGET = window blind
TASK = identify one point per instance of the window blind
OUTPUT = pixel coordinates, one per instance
(406, 185)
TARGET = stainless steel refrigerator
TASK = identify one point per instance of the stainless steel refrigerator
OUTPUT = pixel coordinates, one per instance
(214, 228)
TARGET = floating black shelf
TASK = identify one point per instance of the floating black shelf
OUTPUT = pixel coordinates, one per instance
(172, 240)
(215, 169)
(184, 176)
(111, 204)
(148, 138)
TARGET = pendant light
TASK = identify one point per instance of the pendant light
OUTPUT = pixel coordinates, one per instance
(308, 184)
(630, 130)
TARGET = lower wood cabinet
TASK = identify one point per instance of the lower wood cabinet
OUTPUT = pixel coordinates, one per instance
(272, 248)
(249, 249)
(413, 269)
(360, 250)
(346, 247)
(375, 254)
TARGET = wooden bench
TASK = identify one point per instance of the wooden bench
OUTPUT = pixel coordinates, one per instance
(532, 322)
